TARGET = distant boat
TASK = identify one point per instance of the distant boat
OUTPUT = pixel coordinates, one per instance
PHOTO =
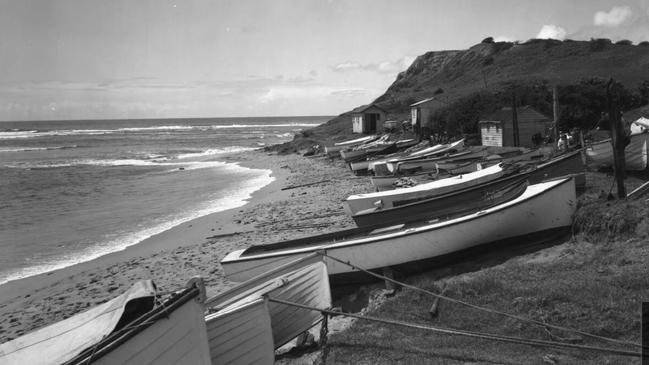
(544, 210)
(243, 325)
(361, 165)
(129, 329)
(360, 152)
(387, 182)
(452, 204)
(436, 150)
(387, 199)
(396, 166)
(600, 154)
(334, 150)
(564, 165)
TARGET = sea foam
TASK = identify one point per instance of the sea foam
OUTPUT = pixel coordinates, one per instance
(235, 198)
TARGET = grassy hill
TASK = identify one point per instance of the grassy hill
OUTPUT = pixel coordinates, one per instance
(491, 67)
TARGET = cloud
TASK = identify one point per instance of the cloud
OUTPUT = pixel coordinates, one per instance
(551, 31)
(616, 16)
(347, 66)
(384, 67)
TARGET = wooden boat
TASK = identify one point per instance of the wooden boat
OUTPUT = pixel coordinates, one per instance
(543, 211)
(567, 164)
(230, 332)
(129, 329)
(387, 182)
(370, 150)
(436, 150)
(334, 150)
(395, 166)
(361, 166)
(242, 334)
(600, 154)
(463, 201)
(455, 168)
(386, 199)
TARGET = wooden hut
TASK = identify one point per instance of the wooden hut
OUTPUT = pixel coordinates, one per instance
(367, 119)
(499, 128)
(421, 115)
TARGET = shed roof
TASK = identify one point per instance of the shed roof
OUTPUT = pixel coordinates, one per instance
(363, 108)
(505, 114)
(635, 114)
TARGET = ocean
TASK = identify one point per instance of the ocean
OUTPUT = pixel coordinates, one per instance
(71, 191)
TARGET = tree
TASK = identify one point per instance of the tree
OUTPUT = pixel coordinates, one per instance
(488, 40)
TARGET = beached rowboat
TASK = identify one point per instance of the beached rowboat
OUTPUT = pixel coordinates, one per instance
(542, 211)
(333, 151)
(600, 154)
(243, 326)
(386, 199)
(462, 201)
(129, 329)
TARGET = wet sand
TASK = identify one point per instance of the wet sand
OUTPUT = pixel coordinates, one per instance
(194, 248)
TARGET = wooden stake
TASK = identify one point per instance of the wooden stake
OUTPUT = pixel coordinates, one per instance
(617, 138)
(388, 273)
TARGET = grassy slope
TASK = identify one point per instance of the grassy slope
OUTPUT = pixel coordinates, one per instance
(595, 283)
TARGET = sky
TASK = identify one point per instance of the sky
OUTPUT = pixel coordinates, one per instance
(115, 59)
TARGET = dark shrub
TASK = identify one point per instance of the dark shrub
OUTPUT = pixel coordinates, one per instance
(488, 40)
(599, 44)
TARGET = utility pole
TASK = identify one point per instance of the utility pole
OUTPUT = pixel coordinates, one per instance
(517, 142)
(618, 138)
(555, 115)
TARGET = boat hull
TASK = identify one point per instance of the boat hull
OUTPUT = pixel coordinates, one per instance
(447, 205)
(355, 203)
(242, 335)
(304, 281)
(543, 207)
(569, 164)
(600, 154)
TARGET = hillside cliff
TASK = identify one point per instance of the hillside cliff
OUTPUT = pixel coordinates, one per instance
(490, 67)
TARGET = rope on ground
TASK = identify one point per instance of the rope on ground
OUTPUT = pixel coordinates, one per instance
(481, 335)
(493, 311)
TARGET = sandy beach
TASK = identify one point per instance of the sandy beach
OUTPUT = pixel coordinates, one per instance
(194, 248)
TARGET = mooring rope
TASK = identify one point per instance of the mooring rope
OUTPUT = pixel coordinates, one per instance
(493, 311)
(481, 335)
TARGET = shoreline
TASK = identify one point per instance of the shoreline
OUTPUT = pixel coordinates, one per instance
(191, 232)
(194, 248)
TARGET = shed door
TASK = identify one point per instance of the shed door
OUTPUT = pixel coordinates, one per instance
(372, 121)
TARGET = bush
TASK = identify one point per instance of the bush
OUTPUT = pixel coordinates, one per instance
(624, 42)
(488, 40)
(599, 44)
(599, 220)
(643, 44)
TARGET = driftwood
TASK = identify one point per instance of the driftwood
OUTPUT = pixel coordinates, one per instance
(226, 235)
(434, 309)
(302, 185)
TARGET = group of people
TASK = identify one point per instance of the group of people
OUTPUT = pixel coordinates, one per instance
(566, 140)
